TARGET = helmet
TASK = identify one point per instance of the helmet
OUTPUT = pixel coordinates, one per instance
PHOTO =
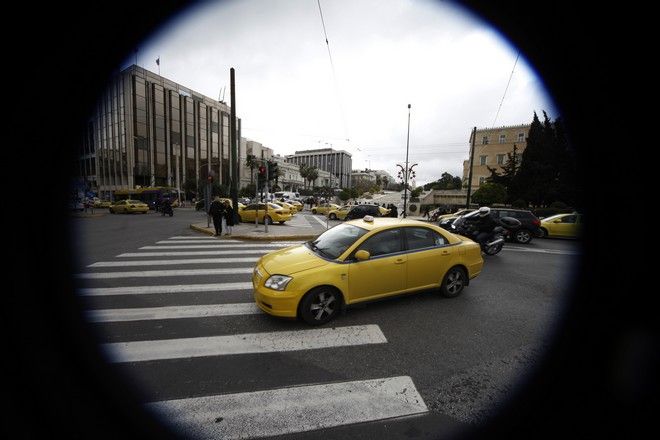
(484, 211)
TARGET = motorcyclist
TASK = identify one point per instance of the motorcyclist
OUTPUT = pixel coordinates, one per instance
(484, 223)
(165, 206)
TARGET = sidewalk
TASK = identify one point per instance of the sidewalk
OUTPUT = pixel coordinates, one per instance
(247, 231)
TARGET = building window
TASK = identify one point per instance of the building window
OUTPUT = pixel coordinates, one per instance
(482, 180)
(482, 160)
(502, 138)
(484, 141)
(500, 159)
(521, 137)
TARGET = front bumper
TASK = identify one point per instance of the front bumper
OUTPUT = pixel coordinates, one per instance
(274, 302)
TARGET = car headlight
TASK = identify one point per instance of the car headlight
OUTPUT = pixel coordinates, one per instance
(277, 282)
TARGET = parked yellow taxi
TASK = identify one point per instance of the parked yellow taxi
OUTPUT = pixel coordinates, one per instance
(299, 206)
(128, 206)
(98, 203)
(276, 213)
(339, 213)
(362, 260)
(290, 206)
(324, 208)
(562, 225)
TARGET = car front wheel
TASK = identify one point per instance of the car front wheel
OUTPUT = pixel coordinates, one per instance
(333, 216)
(320, 305)
(454, 282)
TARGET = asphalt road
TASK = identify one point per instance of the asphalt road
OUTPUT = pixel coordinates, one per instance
(459, 359)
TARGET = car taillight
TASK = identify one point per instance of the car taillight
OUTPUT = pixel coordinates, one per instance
(536, 222)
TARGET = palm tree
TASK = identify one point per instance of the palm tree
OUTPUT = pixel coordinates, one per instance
(251, 163)
(312, 175)
(304, 172)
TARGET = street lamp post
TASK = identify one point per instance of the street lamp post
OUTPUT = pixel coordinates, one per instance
(404, 175)
(407, 170)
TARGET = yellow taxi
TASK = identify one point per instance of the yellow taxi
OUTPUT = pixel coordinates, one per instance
(324, 208)
(299, 206)
(128, 206)
(562, 225)
(339, 213)
(276, 213)
(363, 260)
(455, 215)
(98, 203)
(290, 206)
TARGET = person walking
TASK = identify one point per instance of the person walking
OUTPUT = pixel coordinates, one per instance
(229, 216)
(216, 210)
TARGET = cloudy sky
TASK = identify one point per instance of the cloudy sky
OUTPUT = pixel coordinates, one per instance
(450, 66)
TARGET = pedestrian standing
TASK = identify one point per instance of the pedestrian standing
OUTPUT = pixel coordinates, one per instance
(229, 216)
(216, 210)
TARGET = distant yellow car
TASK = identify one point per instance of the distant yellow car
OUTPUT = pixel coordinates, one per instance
(455, 215)
(290, 206)
(299, 206)
(363, 260)
(276, 213)
(324, 208)
(128, 206)
(562, 225)
(102, 204)
(339, 213)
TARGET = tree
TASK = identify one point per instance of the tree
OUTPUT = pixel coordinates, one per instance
(446, 181)
(490, 193)
(251, 162)
(344, 195)
(508, 172)
(312, 175)
(304, 172)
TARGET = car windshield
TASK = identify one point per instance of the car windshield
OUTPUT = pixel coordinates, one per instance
(133, 201)
(334, 242)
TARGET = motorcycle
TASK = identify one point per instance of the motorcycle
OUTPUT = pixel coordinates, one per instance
(494, 242)
(166, 209)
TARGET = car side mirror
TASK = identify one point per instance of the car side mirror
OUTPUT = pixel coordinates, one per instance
(362, 255)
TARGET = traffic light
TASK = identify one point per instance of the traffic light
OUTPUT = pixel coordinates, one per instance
(262, 171)
(272, 170)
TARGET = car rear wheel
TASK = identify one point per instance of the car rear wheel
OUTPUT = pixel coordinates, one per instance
(313, 211)
(523, 236)
(333, 216)
(454, 282)
(543, 233)
(319, 305)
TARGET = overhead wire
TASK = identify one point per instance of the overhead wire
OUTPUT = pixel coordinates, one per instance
(506, 89)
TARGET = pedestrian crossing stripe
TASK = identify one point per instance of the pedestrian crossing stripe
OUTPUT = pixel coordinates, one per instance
(168, 288)
(281, 341)
(294, 409)
(174, 262)
(162, 273)
(217, 246)
(192, 253)
(172, 312)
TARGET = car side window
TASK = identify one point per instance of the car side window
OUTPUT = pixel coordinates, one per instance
(383, 243)
(421, 238)
(569, 219)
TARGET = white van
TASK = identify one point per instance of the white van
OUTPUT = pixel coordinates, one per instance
(287, 195)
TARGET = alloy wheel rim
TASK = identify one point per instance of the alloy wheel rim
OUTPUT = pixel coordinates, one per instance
(455, 282)
(323, 305)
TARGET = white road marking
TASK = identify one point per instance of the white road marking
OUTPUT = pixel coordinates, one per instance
(218, 246)
(295, 409)
(173, 262)
(191, 253)
(244, 343)
(194, 237)
(162, 273)
(541, 251)
(174, 312)
(144, 290)
(320, 221)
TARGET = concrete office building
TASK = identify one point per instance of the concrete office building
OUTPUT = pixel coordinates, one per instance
(337, 163)
(149, 131)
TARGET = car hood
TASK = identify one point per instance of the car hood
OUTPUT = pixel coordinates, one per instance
(291, 260)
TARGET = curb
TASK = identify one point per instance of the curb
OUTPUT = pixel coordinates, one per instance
(256, 237)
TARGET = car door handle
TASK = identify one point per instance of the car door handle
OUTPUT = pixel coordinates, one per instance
(399, 261)
(445, 253)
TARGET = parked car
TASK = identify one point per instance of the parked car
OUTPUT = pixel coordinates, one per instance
(359, 211)
(276, 213)
(562, 225)
(129, 206)
(362, 260)
(529, 223)
(99, 203)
